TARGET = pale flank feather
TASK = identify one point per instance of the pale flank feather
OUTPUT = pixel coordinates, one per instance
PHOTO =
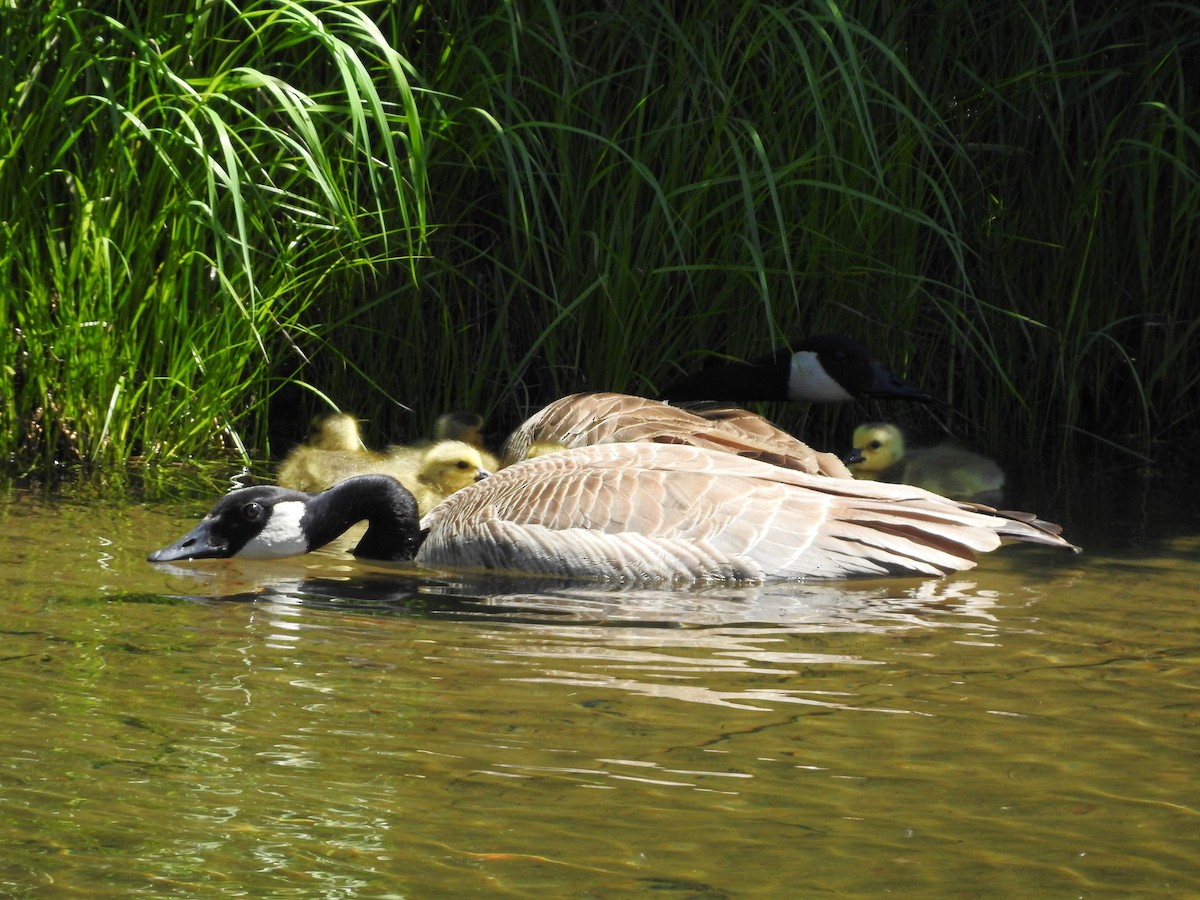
(671, 512)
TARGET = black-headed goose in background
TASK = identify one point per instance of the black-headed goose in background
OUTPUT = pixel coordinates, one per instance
(821, 369)
(630, 512)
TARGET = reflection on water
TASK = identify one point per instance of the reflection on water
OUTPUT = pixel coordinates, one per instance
(322, 728)
(711, 628)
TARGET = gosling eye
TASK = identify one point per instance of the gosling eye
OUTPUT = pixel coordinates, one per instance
(874, 445)
(462, 464)
(253, 511)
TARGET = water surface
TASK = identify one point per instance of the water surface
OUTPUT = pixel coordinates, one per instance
(321, 728)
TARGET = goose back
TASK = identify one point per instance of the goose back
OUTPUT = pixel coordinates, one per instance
(581, 420)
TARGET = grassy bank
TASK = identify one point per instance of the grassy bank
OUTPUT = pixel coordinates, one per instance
(178, 189)
(219, 223)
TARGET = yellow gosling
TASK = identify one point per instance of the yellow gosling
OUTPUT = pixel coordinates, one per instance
(441, 470)
(880, 455)
(336, 431)
(335, 451)
(459, 425)
(541, 448)
(466, 426)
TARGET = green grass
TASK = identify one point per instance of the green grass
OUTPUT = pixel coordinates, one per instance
(218, 224)
(178, 191)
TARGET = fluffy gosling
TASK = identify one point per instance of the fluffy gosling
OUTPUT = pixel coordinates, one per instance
(880, 455)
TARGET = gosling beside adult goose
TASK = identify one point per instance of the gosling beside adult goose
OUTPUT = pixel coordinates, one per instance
(440, 470)
(582, 420)
(880, 454)
(822, 369)
(458, 425)
(335, 452)
(631, 512)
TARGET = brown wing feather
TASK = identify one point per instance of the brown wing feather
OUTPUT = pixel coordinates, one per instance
(582, 420)
(649, 511)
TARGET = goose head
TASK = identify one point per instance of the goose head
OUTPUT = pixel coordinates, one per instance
(822, 369)
(268, 522)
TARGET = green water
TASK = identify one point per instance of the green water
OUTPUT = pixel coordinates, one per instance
(316, 728)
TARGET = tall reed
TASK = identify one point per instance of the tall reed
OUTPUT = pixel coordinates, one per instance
(1001, 200)
(178, 189)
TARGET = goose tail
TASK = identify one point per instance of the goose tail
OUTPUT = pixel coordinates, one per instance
(1024, 526)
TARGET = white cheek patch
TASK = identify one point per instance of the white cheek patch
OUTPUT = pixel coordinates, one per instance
(808, 381)
(281, 536)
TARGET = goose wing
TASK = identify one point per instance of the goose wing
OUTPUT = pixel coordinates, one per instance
(642, 512)
(582, 420)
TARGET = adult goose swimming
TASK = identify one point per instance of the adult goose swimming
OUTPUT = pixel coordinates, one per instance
(828, 368)
(631, 512)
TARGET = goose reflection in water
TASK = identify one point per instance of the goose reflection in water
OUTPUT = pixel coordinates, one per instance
(607, 640)
(328, 581)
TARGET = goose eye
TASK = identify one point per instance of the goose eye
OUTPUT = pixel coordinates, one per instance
(253, 511)
(839, 356)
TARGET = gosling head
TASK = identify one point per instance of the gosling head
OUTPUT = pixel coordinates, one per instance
(877, 447)
(460, 425)
(336, 431)
(450, 466)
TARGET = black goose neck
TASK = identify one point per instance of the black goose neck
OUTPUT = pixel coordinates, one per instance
(763, 378)
(393, 522)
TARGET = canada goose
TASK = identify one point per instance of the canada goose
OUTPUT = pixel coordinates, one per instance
(580, 420)
(879, 455)
(636, 512)
(821, 369)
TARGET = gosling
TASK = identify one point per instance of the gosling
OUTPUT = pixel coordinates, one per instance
(879, 455)
(335, 452)
(442, 469)
(459, 425)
